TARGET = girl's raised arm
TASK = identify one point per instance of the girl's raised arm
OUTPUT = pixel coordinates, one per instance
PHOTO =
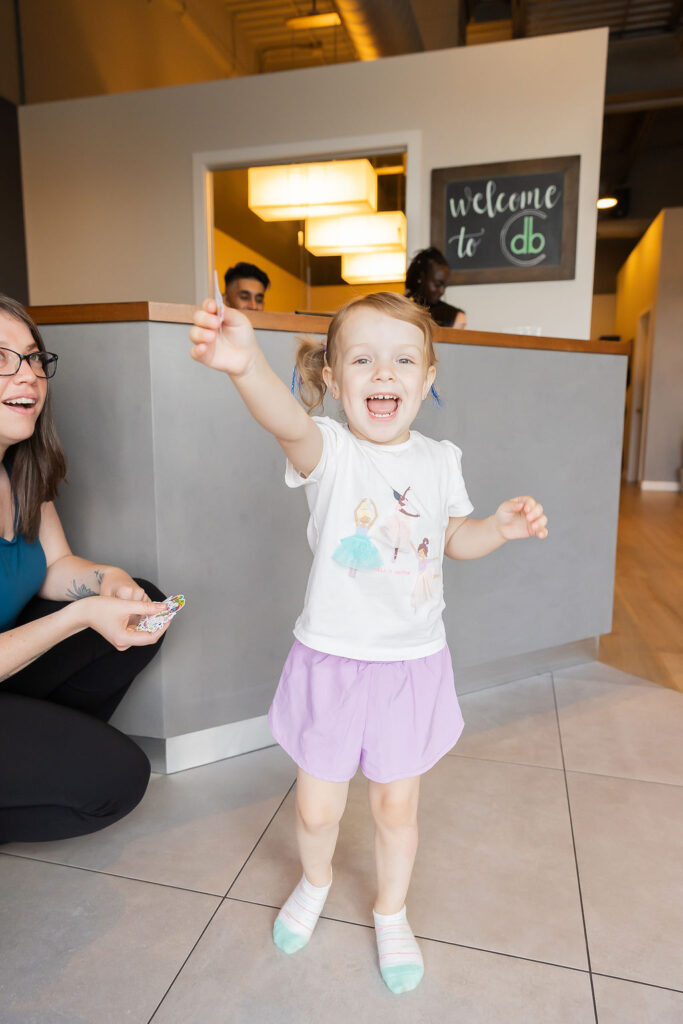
(233, 349)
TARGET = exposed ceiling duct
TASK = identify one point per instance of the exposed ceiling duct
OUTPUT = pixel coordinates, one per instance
(380, 28)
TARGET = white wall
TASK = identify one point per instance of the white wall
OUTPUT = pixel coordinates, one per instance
(108, 182)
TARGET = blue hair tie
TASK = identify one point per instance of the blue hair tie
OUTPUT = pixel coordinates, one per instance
(436, 398)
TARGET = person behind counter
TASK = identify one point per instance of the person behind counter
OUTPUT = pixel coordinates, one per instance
(68, 651)
(426, 280)
(246, 286)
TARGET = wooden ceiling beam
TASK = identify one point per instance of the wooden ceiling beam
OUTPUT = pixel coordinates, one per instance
(675, 16)
(519, 13)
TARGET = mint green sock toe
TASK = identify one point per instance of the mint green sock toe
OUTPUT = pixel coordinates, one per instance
(403, 978)
(288, 942)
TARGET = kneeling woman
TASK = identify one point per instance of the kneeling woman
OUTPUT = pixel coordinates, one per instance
(67, 650)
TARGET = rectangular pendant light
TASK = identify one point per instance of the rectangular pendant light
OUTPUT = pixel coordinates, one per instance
(373, 267)
(375, 232)
(325, 189)
(314, 20)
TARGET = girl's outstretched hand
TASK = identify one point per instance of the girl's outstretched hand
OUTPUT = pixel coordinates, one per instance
(521, 517)
(231, 347)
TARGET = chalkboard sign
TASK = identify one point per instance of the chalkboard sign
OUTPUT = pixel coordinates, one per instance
(513, 221)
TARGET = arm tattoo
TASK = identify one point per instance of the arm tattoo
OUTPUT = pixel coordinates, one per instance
(78, 590)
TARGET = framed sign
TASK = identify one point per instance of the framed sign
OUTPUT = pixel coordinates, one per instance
(513, 221)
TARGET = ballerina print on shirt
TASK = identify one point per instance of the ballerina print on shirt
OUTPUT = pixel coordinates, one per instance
(422, 591)
(358, 551)
(395, 528)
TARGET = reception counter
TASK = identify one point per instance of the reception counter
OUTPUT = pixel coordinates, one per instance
(170, 478)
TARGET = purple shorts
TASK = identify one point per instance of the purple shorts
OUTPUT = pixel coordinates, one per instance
(394, 718)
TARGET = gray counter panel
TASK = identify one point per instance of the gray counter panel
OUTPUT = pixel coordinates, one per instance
(170, 477)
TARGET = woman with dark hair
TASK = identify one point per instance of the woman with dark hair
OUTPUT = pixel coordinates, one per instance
(68, 647)
(426, 280)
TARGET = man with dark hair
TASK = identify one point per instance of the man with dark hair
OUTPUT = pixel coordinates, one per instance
(245, 286)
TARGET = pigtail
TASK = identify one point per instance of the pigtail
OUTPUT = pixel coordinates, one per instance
(308, 372)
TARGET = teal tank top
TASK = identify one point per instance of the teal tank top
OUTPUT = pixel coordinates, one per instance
(22, 571)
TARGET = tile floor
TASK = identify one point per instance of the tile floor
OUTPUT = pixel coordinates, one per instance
(548, 887)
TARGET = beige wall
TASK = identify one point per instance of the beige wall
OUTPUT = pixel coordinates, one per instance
(603, 316)
(108, 182)
(651, 280)
(664, 445)
(637, 281)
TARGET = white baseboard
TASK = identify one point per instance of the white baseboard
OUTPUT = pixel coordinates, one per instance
(176, 753)
(659, 485)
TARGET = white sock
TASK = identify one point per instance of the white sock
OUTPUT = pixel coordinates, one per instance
(400, 959)
(295, 923)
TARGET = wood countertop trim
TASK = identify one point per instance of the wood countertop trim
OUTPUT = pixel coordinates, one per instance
(306, 323)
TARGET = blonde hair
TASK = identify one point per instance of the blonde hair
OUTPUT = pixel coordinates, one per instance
(313, 353)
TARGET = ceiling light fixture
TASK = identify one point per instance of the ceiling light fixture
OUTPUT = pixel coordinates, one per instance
(373, 267)
(313, 19)
(325, 189)
(607, 202)
(375, 232)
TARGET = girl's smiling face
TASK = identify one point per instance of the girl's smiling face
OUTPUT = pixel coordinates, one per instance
(380, 375)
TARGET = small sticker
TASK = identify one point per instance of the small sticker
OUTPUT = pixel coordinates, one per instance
(153, 623)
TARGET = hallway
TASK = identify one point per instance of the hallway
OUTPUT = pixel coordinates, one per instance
(647, 634)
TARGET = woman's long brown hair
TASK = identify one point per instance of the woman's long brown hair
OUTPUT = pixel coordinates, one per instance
(37, 465)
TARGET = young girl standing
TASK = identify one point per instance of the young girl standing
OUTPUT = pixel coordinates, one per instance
(368, 680)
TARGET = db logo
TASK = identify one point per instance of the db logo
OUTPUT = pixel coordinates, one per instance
(521, 240)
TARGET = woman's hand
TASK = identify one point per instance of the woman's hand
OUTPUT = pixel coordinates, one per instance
(230, 346)
(521, 517)
(115, 619)
(117, 583)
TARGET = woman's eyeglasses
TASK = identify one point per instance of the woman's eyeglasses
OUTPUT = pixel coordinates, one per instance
(43, 364)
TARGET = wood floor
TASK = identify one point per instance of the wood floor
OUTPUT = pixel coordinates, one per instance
(647, 629)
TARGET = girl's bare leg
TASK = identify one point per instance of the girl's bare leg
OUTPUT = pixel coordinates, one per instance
(394, 808)
(319, 807)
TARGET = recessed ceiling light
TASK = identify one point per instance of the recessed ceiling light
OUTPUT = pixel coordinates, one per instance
(607, 202)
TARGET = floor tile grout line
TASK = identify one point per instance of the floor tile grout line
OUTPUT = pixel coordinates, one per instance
(182, 966)
(111, 874)
(576, 858)
(556, 672)
(253, 849)
(503, 682)
(624, 778)
(516, 764)
(221, 904)
(633, 981)
(426, 938)
(571, 771)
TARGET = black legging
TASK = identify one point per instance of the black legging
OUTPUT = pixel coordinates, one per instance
(63, 771)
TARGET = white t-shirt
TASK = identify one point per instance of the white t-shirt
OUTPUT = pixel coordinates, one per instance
(378, 518)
